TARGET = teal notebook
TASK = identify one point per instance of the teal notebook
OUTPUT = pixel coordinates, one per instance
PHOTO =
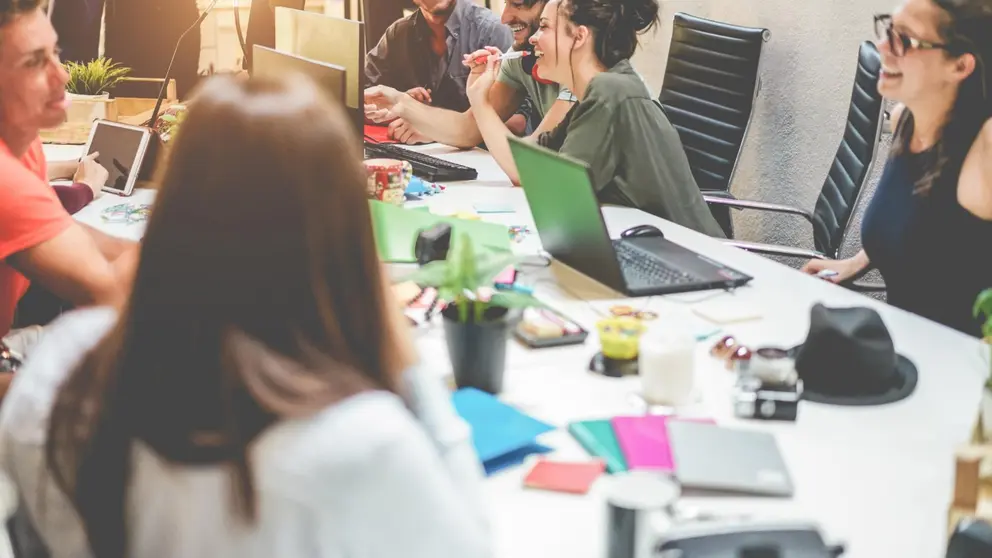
(396, 231)
(597, 437)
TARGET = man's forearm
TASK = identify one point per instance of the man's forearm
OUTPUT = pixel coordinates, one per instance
(457, 129)
(495, 133)
(110, 246)
(125, 268)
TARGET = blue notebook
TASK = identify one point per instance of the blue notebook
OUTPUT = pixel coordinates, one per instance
(502, 435)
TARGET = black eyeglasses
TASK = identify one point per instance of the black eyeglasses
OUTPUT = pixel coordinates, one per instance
(899, 43)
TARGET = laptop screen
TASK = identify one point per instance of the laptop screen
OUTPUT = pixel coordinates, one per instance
(566, 212)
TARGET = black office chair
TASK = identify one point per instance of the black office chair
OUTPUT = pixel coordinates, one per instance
(710, 85)
(848, 174)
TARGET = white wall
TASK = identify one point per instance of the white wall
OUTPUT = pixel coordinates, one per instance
(219, 46)
(807, 72)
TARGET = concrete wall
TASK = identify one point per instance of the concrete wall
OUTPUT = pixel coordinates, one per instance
(807, 71)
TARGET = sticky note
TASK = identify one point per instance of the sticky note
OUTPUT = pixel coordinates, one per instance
(558, 476)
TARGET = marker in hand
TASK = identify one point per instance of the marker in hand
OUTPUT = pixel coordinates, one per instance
(507, 56)
(826, 274)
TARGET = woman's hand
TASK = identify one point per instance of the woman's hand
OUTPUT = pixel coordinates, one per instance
(478, 92)
(836, 271)
(476, 62)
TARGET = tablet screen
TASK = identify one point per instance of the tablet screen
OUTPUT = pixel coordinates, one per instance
(117, 147)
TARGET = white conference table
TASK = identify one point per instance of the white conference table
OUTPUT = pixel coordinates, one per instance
(878, 479)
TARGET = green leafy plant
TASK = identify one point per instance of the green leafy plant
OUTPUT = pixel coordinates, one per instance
(983, 306)
(95, 77)
(465, 279)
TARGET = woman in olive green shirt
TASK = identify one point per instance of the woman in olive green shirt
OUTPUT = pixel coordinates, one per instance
(635, 153)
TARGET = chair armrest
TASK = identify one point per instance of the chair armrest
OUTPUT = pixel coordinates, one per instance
(854, 283)
(723, 194)
(776, 250)
(760, 206)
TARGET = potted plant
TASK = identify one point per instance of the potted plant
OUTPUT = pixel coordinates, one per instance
(476, 316)
(95, 78)
(89, 88)
(983, 307)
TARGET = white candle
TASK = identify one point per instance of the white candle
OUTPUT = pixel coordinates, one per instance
(667, 366)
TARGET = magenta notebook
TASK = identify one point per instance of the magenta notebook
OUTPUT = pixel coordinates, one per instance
(644, 441)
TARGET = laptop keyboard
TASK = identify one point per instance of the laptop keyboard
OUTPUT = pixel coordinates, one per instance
(640, 268)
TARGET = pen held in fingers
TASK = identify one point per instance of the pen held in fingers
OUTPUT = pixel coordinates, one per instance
(508, 56)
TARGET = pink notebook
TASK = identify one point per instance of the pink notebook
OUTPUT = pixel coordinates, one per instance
(644, 441)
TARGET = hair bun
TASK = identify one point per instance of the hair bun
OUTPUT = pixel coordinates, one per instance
(642, 14)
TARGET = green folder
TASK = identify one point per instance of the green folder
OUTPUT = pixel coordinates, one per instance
(597, 437)
(396, 231)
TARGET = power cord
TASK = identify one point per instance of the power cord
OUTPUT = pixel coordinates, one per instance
(241, 38)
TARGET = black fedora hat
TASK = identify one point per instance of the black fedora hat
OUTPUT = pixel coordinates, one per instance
(848, 359)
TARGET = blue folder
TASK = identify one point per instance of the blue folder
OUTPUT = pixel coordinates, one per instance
(502, 435)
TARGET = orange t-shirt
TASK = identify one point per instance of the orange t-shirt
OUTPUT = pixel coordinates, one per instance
(30, 213)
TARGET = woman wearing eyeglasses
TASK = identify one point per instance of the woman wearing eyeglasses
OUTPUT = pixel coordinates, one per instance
(258, 396)
(928, 227)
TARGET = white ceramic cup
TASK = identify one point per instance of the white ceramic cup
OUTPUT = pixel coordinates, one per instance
(667, 366)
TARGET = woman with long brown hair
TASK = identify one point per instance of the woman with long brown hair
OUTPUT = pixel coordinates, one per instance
(254, 397)
(931, 215)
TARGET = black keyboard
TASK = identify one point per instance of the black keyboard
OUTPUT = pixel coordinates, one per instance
(640, 268)
(426, 167)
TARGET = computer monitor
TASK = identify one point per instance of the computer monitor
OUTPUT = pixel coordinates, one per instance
(328, 39)
(270, 63)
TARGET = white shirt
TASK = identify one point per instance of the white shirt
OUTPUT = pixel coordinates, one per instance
(363, 478)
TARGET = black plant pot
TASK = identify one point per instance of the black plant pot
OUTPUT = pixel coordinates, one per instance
(477, 350)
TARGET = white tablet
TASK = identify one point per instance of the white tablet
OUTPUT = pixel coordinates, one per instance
(122, 149)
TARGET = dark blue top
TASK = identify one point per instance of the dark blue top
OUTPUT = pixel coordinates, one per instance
(932, 252)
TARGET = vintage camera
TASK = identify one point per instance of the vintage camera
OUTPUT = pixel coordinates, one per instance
(758, 399)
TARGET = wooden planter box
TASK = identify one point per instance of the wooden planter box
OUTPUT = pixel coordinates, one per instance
(137, 110)
(85, 109)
